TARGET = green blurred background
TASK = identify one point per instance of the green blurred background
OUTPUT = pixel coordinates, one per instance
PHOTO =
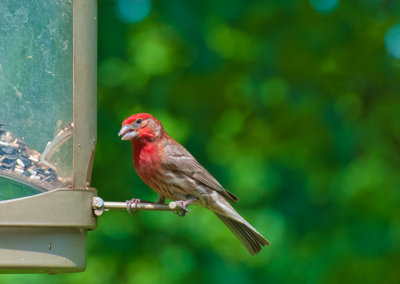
(292, 105)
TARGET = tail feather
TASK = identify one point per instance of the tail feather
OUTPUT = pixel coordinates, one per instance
(250, 238)
(245, 237)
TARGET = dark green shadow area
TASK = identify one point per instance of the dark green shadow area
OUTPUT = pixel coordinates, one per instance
(11, 189)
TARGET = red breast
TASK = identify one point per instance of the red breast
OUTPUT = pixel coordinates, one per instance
(146, 158)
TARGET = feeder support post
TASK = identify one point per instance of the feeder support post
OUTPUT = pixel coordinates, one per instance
(85, 90)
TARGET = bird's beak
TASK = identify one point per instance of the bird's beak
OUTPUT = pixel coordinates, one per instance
(127, 132)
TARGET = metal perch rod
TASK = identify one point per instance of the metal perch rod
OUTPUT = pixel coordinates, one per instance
(141, 206)
(99, 206)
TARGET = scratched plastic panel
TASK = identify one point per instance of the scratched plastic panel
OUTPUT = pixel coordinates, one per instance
(35, 95)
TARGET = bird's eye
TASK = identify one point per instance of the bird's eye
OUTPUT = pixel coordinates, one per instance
(138, 121)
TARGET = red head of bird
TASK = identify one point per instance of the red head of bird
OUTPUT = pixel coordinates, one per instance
(141, 126)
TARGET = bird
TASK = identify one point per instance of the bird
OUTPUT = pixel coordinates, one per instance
(172, 172)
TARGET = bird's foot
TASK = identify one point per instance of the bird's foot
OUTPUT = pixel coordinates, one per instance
(183, 204)
(134, 202)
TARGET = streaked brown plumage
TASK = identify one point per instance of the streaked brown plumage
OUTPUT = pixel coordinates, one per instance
(170, 170)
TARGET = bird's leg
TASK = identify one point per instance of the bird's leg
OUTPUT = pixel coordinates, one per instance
(129, 203)
(161, 199)
(185, 204)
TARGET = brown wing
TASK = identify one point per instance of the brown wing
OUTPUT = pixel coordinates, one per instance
(179, 159)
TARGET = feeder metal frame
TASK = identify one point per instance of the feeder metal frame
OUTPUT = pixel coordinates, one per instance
(85, 90)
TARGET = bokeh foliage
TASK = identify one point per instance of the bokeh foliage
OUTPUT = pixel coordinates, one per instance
(295, 111)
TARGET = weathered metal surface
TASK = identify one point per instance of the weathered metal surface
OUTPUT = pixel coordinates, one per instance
(46, 233)
(42, 250)
(56, 208)
(85, 90)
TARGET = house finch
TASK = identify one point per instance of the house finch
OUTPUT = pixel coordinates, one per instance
(170, 170)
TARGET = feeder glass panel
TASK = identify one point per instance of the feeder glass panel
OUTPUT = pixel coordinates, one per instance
(35, 96)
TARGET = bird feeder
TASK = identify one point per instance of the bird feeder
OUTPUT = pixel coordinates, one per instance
(48, 110)
(48, 61)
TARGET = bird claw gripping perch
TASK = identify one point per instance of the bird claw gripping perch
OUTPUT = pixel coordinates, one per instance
(181, 207)
(135, 202)
(178, 209)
